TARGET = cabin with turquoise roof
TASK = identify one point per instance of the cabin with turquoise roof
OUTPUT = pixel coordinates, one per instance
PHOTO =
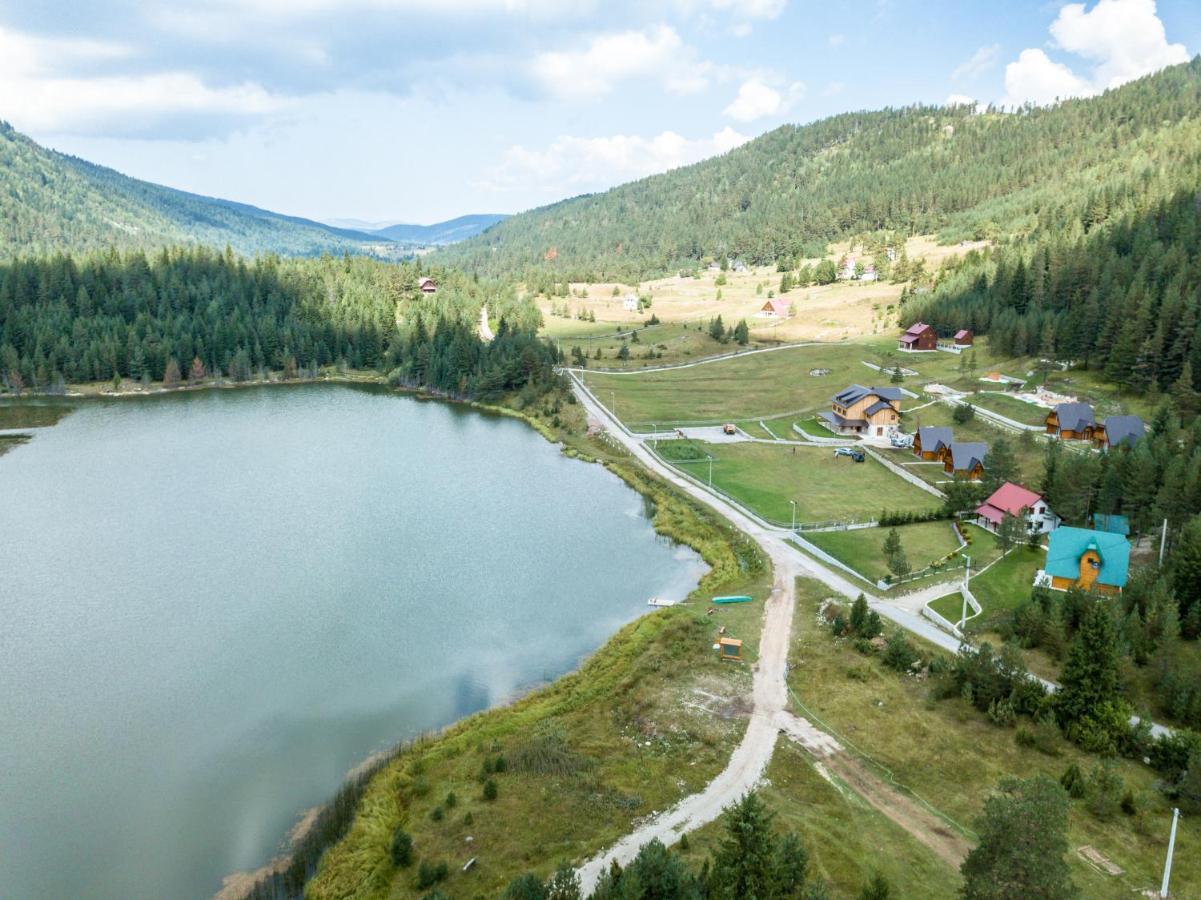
(1093, 560)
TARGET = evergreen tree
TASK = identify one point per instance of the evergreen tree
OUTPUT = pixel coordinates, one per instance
(1023, 839)
(1090, 683)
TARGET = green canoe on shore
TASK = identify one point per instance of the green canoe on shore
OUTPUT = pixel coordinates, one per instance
(733, 599)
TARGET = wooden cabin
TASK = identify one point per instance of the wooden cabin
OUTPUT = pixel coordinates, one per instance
(931, 440)
(1093, 560)
(963, 337)
(776, 308)
(1118, 430)
(859, 410)
(965, 459)
(1072, 422)
(919, 338)
(427, 285)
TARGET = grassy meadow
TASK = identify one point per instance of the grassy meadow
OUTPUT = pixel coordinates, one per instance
(862, 548)
(825, 487)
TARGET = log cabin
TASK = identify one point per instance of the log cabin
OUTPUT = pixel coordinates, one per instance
(963, 337)
(1072, 422)
(931, 440)
(965, 459)
(918, 339)
(1118, 430)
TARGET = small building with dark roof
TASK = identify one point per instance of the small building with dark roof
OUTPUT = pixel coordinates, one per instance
(920, 337)
(931, 440)
(963, 337)
(1118, 430)
(1072, 422)
(965, 459)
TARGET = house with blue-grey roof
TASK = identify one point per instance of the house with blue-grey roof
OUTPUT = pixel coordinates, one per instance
(965, 459)
(1117, 431)
(1072, 422)
(931, 440)
(863, 411)
(1083, 558)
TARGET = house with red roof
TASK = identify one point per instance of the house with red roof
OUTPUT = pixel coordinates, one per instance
(776, 308)
(920, 338)
(963, 338)
(1014, 500)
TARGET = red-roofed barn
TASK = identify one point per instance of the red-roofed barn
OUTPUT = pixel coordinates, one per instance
(919, 338)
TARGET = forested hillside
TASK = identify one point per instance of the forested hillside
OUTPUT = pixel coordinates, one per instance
(916, 170)
(191, 314)
(1122, 296)
(50, 202)
(448, 232)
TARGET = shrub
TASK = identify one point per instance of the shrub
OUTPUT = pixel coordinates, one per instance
(451, 800)
(1105, 789)
(1024, 737)
(1130, 804)
(1073, 782)
(1000, 712)
(401, 850)
(546, 752)
(490, 789)
(429, 874)
(437, 814)
(899, 653)
(963, 414)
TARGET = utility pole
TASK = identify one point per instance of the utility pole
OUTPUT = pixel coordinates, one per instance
(1167, 866)
(655, 432)
(793, 503)
(710, 471)
(1163, 541)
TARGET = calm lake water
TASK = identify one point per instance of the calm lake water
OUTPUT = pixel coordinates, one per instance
(212, 605)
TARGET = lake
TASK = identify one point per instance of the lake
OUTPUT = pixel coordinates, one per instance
(214, 604)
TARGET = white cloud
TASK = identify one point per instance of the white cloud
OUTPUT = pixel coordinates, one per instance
(751, 9)
(979, 63)
(611, 58)
(1125, 39)
(757, 99)
(44, 90)
(571, 165)
(959, 100)
(836, 40)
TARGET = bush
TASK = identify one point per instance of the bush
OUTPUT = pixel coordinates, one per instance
(1073, 782)
(1000, 712)
(437, 814)
(1105, 789)
(401, 850)
(899, 653)
(1024, 737)
(490, 789)
(429, 874)
(963, 414)
(451, 800)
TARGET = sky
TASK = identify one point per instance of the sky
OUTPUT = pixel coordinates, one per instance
(422, 110)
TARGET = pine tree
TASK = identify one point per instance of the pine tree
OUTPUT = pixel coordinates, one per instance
(1023, 839)
(1091, 679)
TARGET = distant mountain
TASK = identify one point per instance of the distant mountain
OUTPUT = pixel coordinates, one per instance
(919, 169)
(449, 232)
(50, 201)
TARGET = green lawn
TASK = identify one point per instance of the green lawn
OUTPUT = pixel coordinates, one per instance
(747, 387)
(1011, 407)
(1006, 585)
(861, 548)
(811, 427)
(952, 757)
(766, 477)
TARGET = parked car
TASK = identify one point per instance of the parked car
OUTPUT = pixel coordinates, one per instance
(728, 428)
(853, 452)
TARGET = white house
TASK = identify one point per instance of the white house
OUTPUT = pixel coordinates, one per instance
(630, 303)
(1014, 500)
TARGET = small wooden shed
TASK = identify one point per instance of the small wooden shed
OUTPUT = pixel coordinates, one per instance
(730, 648)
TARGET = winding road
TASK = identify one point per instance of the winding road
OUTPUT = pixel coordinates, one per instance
(770, 716)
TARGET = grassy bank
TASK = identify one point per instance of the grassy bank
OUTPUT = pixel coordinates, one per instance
(950, 755)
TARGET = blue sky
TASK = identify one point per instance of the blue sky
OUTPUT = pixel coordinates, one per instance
(420, 110)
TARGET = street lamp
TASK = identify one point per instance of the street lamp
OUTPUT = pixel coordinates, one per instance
(710, 471)
(793, 504)
(967, 570)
